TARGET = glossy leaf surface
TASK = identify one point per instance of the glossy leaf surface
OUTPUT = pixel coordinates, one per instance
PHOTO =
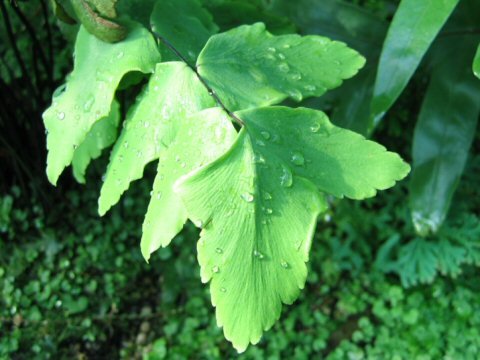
(102, 135)
(476, 63)
(338, 161)
(173, 93)
(443, 136)
(258, 206)
(249, 67)
(89, 91)
(201, 138)
(413, 29)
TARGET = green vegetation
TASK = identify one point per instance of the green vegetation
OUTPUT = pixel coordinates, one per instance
(390, 277)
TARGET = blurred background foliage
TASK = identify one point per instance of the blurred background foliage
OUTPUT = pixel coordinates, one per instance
(74, 286)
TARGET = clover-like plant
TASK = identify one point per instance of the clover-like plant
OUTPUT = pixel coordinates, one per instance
(251, 175)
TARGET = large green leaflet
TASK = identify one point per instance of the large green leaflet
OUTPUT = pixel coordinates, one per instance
(202, 138)
(338, 161)
(90, 89)
(414, 27)
(102, 135)
(185, 24)
(258, 206)
(173, 93)
(443, 136)
(249, 67)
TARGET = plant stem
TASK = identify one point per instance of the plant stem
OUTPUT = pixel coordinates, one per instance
(211, 91)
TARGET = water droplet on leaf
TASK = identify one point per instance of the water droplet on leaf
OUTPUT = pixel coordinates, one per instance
(247, 197)
(286, 178)
(297, 159)
(266, 135)
(258, 254)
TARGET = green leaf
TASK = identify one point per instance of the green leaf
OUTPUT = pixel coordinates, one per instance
(258, 206)
(89, 91)
(337, 20)
(476, 63)
(358, 28)
(173, 92)
(232, 13)
(201, 138)
(249, 67)
(414, 27)
(443, 136)
(255, 240)
(417, 262)
(102, 135)
(338, 161)
(449, 258)
(185, 24)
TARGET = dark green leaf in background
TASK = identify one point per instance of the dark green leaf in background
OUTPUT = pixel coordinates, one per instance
(476, 63)
(184, 24)
(414, 27)
(443, 136)
(362, 31)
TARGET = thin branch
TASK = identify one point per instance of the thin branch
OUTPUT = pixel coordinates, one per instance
(13, 43)
(211, 91)
(50, 41)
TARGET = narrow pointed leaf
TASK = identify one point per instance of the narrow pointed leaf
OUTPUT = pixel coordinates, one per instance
(249, 67)
(185, 24)
(414, 27)
(255, 240)
(202, 138)
(89, 91)
(476, 63)
(443, 136)
(102, 135)
(338, 161)
(173, 92)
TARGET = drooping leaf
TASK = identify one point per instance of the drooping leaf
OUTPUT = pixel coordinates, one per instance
(102, 135)
(185, 24)
(89, 91)
(443, 136)
(201, 138)
(414, 27)
(173, 93)
(476, 63)
(249, 67)
(259, 202)
(255, 240)
(338, 161)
